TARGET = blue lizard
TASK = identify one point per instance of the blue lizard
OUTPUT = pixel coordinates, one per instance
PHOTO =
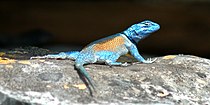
(109, 49)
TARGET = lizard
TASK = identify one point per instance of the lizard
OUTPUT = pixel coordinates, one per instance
(107, 50)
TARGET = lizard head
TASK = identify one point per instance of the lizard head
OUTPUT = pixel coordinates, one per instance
(141, 30)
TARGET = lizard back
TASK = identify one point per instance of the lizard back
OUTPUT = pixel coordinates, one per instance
(111, 44)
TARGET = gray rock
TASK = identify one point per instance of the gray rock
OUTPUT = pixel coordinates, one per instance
(171, 80)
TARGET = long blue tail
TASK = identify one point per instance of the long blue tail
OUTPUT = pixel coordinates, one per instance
(62, 55)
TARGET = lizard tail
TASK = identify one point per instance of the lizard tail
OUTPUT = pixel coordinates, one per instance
(62, 55)
(84, 73)
(71, 54)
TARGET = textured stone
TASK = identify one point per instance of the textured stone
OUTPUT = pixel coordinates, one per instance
(174, 79)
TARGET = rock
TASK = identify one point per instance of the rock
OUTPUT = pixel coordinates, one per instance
(171, 80)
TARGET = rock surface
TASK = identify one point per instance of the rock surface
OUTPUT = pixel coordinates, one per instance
(171, 80)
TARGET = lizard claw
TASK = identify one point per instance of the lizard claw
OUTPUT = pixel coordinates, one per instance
(149, 60)
(125, 64)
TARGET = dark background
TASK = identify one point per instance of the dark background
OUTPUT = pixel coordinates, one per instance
(64, 24)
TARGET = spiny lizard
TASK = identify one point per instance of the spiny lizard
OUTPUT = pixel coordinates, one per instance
(109, 49)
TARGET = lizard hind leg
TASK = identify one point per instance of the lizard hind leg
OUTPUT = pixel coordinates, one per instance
(84, 73)
(111, 60)
(114, 63)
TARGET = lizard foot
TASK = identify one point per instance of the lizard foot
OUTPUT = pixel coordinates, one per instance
(149, 60)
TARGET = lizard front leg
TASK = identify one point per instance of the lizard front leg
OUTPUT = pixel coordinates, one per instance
(134, 51)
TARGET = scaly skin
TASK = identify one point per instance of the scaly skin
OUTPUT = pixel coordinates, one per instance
(109, 49)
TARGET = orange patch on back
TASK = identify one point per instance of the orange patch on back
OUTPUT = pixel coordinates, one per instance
(110, 44)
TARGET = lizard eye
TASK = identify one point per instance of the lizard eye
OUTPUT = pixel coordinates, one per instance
(147, 23)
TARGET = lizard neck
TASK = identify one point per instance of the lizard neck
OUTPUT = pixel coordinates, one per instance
(135, 42)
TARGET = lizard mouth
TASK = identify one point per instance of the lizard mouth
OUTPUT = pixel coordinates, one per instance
(138, 37)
